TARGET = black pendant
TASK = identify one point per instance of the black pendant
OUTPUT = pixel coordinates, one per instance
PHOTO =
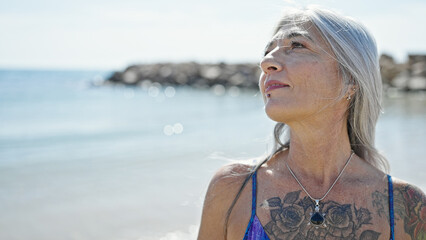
(317, 219)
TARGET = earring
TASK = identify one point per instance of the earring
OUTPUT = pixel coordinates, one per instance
(348, 98)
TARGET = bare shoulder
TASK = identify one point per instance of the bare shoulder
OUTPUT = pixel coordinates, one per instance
(221, 192)
(226, 181)
(410, 209)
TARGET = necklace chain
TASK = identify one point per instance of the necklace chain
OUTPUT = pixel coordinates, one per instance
(335, 181)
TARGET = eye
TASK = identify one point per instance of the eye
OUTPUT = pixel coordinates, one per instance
(294, 44)
(266, 53)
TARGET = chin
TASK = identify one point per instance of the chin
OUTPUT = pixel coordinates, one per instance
(277, 113)
(286, 113)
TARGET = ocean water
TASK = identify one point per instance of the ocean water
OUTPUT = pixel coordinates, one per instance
(81, 161)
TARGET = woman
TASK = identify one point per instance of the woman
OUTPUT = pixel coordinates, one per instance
(324, 180)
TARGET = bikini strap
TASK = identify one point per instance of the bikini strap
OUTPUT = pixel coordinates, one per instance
(253, 194)
(391, 212)
(253, 204)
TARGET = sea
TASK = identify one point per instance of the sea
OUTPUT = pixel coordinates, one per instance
(83, 160)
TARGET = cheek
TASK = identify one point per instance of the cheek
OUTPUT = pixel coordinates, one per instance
(320, 76)
(332, 71)
(262, 79)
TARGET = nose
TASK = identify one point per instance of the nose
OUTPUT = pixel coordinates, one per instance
(270, 64)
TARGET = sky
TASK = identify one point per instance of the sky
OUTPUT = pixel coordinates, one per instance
(110, 35)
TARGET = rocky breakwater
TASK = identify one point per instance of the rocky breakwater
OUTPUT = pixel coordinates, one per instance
(192, 74)
(408, 76)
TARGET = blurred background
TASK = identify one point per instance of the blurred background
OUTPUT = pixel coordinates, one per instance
(93, 147)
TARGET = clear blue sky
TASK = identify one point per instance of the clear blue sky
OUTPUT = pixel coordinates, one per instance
(95, 34)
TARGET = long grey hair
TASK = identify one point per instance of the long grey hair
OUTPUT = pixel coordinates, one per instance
(356, 53)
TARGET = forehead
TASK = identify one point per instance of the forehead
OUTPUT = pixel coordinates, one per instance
(291, 32)
(305, 30)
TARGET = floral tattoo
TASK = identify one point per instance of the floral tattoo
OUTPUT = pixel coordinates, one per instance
(290, 218)
(409, 205)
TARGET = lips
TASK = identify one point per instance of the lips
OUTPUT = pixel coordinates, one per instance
(274, 84)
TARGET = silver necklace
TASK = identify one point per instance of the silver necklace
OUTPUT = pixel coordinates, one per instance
(318, 218)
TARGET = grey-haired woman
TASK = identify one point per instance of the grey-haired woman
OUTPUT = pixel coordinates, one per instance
(324, 179)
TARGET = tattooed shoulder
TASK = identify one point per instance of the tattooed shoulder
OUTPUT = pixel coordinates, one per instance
(411, 208)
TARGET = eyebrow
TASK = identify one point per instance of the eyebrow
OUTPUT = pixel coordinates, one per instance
(298, 34)
(290, 35)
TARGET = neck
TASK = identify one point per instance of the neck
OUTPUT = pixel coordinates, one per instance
(318, 153)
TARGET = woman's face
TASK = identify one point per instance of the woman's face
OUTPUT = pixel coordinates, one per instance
(300, 76)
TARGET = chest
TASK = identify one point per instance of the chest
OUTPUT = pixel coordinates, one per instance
(298, 219)
(288, 215)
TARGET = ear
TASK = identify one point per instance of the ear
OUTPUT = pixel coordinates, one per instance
(352, 89)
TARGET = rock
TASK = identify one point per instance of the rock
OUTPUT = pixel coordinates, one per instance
(130, 77)
(417, 83)
(388, 68)
(400, 81)
(198, 75)
(409, 76)
(417, 65)
(210, 72)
